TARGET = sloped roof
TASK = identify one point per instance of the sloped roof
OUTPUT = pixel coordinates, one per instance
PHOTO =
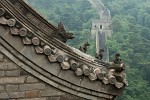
(29, 41)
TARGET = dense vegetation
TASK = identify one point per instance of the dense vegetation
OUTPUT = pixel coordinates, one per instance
(131, 37)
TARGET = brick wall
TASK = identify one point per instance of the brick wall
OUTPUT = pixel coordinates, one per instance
(17, 84)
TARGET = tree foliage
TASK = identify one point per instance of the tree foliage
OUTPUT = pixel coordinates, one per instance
(130, 22)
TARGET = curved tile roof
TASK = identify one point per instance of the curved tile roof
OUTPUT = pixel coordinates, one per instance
(29, 41)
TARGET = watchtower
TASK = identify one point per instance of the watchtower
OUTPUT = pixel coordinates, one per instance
(101, 30)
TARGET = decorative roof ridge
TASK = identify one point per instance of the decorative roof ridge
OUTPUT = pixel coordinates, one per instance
(113, 75)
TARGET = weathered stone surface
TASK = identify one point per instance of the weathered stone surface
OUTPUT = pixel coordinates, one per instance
(15, 41)
(11, 22)
(13, 80)
(12, 87)
(54, 98)
(70, 76)
(50, 91)
(7, 66)
(93, 85)
(102, 95)
(24, 87)
(34, 99)
(1, 57)
(77, 88)
(4, 30)
(87, 96)
(30, 53)
(67, 89)
(22, 73)
(1, 88)
(31, 79)
(2, 73)
(22, 32)
(67, 97)
(32, 94)
(109, 89)
(85, 90)
(16, 94)
(13, 73)
(53, 68)
(4, 96)
(61, 81)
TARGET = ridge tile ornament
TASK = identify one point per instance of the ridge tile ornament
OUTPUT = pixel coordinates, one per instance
(84, 47)
(61, 33)
(99, 55)
(109, 75)
(112, 74)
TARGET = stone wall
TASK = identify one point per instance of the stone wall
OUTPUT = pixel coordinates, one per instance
(17, 84)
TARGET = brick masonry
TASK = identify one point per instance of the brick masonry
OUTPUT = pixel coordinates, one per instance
(17, 84)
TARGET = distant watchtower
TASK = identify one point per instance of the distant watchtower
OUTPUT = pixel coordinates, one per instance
(101, 29)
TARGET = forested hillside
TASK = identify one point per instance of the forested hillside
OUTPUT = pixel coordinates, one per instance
(131, 36)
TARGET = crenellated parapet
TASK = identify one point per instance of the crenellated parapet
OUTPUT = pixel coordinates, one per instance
(26, 36)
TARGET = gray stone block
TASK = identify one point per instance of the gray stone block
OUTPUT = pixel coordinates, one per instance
(31, 79)
(89, 97)
(85, 90)
(34, 86)
(30, 53)
(15, 41)
(92, 85)
(34, 99)
(4, 30)
(1, 88)
(52, 92)
(53, 68)
(66, 89)
(13, 73)
(111, 89)
(2, 73)
(56, 79)
(70, 76)
(15, 95)
(1, 57)
(12, 80)
(8, 66)
(4, 96)
(77, 88)
(54, 98)
(102, 95)
(22, 73)
(12, 88)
